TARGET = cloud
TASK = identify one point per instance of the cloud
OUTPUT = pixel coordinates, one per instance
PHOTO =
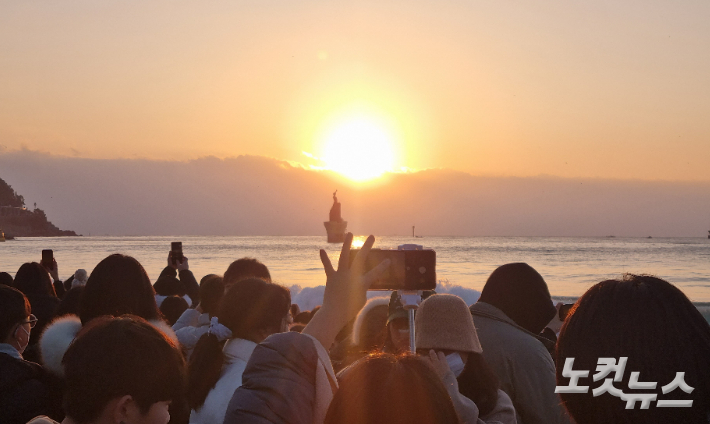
(254, 195)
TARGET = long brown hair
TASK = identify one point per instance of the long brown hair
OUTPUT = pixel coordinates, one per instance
(391, 389)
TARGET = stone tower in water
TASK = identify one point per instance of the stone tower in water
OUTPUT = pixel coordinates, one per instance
(335, 226)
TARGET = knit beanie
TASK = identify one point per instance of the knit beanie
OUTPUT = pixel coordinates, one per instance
(80, 278)
(443, 322)
(521, 293)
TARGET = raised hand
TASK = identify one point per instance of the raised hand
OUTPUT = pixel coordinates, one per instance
(345, 291)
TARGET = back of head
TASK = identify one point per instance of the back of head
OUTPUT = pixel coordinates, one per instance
(657, 328)
(172, 307)
(211, 292)
(6, 279)
(369, 330)
(70, 302)
(118, 285)
(391, 389)
(254, 306)
(14, 308)
(115, 357)
(33, 280)
(522, 294)
(251, 310)
(245, 268)
(80, 277)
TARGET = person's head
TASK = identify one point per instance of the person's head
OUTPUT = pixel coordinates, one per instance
(391, 389)
(33, 280)
(245, 268)
(654, 325)
(172, 307)
(444, 324)
(6, 279)
(369, 330)
(303, 317)
(251, 310)
(521, 293)
(122, 370)
(118, 285)
(296, 327)
(80, 277)
(397, 335)
(211, 292)
(70, 302)
(16, 320)
(295, 309)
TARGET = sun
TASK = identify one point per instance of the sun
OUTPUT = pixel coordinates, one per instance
(359, 147)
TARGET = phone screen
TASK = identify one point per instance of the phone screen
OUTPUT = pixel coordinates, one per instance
(48, 258)
(408, 270)
(176, 248)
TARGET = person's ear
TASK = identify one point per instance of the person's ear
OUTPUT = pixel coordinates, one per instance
(122, 409)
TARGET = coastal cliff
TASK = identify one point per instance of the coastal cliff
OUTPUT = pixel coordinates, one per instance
(18, 221)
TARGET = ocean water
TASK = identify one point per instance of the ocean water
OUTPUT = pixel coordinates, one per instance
(570, 265)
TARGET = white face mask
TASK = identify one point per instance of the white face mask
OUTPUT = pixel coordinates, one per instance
(455, 363)
(22, 348)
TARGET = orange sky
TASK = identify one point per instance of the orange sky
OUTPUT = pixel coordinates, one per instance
(595, 89)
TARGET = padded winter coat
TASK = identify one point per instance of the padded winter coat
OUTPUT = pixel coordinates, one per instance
(288, 380)
(523, 366)
(26, 391)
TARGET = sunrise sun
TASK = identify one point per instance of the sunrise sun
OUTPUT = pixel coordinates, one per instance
(359, 147)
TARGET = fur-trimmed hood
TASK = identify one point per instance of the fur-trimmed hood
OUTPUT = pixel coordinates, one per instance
(61, 332)
(356, 337)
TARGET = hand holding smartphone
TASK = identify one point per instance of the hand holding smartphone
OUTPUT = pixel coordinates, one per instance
(48, 259)
(408, 270)
(176, 253)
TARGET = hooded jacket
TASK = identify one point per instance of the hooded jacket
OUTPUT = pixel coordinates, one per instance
(288, 380)
(189, 328)
(61, 332)
(522, 363)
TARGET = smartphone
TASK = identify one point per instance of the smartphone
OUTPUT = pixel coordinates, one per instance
(408, 270)
(48, 258)
(564, 310)
(176, 248)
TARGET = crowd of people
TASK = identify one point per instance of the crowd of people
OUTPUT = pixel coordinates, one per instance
(111, 347)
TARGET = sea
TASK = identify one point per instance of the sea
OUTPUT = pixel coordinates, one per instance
(570, 265)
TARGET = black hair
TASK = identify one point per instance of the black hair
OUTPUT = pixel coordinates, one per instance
(248, 309)
(303, 317)
(14, 309)
(115, 357)
(479, 383)
(391, 389)
(33, 280)
(70, 302)
(211, 292)
(245, 268)
(6, 279)
(118, 285)
(172, 307)
(654, 325)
